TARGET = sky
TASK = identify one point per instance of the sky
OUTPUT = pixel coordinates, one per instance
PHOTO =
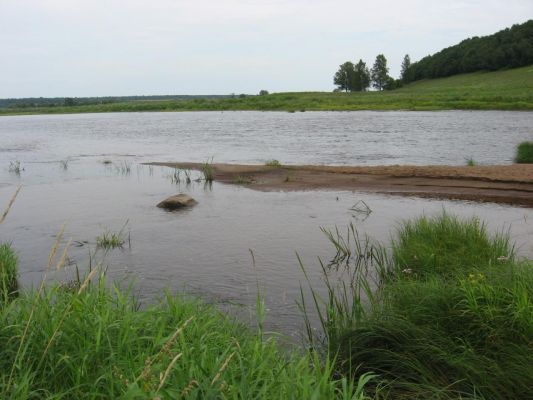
(78, 48)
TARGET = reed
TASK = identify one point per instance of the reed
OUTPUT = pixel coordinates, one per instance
(208, 171)
(123, 167)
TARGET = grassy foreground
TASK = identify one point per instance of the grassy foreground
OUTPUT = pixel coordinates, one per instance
(501, 90)
(90, 341)
(452, 315)
(446, 314)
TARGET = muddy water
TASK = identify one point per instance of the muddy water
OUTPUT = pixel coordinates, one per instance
(206, 250)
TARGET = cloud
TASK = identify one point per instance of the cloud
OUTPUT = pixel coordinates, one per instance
(99, 47)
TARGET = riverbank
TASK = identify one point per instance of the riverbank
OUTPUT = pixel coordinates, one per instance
(508, 184)
(501, 90)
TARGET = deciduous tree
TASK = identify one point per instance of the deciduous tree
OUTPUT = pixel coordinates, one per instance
(362, 77)
(344, 77)
(380, 72)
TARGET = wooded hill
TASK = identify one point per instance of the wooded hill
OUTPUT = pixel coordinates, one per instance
(508, 48)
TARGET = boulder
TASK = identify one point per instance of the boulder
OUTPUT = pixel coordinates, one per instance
(177, 201)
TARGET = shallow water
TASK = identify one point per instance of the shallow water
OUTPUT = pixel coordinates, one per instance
(205, 250)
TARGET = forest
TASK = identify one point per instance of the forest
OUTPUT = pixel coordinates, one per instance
(508, 48)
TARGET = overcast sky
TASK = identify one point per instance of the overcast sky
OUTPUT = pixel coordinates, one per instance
(126, 47)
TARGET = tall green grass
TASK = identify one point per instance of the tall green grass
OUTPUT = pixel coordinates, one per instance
(524, 153)
(208, 171)
(449, 315)
(447, 245)
(8, 273)
(99, 343)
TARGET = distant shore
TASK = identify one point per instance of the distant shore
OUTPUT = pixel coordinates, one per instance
(501, 90)
(508, 184)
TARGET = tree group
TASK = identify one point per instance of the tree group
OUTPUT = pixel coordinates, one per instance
(357, 77)
(352, 77)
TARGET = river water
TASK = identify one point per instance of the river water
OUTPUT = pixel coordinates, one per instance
(207, 250)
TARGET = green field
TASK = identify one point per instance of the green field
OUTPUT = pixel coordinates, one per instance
(501, 90)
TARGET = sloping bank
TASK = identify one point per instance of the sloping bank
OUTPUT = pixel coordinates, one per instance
(510, 184)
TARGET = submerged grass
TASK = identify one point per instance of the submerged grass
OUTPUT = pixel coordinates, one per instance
(15, 167)
(524, 153)
(64, 164)
(449, 316)
(112, 240)
(208, 171)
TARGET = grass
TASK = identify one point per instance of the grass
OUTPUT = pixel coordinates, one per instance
(112, 240)
(175, 176)
(8, 273)
(524, 153)
(272, 163)
(449, 314)
(244, 180)
(15, 167)
(208, 171)
(446, 245)
(502, 90)
(471, 162)
(97, 342)
(123, 167)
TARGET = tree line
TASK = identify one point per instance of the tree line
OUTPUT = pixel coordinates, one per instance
(509, 48)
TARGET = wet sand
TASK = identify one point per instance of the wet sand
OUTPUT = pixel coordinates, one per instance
(509, 184)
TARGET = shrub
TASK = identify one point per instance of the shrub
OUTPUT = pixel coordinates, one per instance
(524, 153)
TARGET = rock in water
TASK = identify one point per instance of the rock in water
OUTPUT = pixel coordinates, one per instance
(177, 201)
